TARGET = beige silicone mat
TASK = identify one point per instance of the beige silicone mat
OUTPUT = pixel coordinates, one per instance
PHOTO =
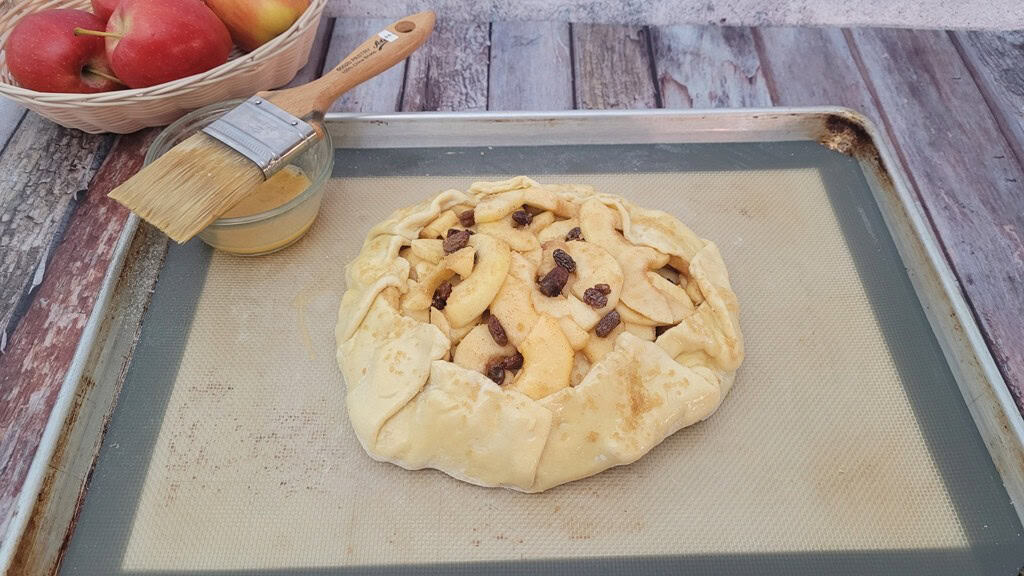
(844, 441)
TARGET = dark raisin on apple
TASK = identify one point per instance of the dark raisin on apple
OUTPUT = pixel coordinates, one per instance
(574, 234)
(441, 295)
(455, 241)
(595, 298)
(514, 362)
(552, 283)
(467, 218)
(495, 369)
(607, 324)
(603, 289)
(563, 259)
(497, 331)
(521, 218)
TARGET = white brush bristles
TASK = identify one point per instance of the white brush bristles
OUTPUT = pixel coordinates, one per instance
(190, 186)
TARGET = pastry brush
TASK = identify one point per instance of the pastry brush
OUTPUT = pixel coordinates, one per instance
(198, 180)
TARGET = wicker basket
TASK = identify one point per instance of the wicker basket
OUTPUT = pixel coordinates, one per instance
(124, 111)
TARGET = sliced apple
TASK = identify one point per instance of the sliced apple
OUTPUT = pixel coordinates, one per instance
(439, 227)
(547, 259)
(476, 292)
(595, 265)
(576, 335)
(428, 249)
(541, 221)
(557, 230)
(518, 239)
(627, 314)
(547, 360)
(421, 292)
(693, 291)
(512, 305)
(437, 318)
(678, 301)
(500, 205)
(461, 261)
(638, 293)
(597, 348)
(477, 348)
(580, 369)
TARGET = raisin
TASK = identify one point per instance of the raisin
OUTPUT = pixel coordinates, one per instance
(595, 298)
(607, 324)
(467, 218)
(553, 282)
(441, 295)
(495, 369)
(456, 240)
(563, 259)
(603, 289)
(574, 234)
(521, 218)
(514, 362)
(497, 331)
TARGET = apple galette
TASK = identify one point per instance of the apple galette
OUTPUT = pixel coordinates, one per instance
(526, 335)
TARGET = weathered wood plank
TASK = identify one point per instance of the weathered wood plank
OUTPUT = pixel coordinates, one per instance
(317, 54)
(10, 115)
(531, 66)
(965, 173)
(613, 67)
(380, 94)
(812, 66)
(41, 170)
(450, 71)
(44, 342)
(996, 60)
(708, 67)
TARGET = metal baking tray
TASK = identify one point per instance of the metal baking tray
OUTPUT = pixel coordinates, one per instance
(868, 430)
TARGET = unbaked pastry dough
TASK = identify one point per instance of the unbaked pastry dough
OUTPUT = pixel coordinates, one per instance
(575, 403)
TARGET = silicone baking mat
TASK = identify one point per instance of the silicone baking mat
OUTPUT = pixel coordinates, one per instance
(844, 447)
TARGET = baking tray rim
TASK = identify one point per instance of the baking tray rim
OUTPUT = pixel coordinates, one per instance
(1004, 439)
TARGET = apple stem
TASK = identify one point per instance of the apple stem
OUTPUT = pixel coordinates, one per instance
(96, 72)
(87, 32)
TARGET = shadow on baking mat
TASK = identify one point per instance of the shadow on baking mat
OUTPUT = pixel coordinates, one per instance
(844, 448)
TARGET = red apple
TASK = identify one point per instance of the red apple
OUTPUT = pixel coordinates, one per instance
(253, 23)
(104, 8)
(150, 42)
(44, 54)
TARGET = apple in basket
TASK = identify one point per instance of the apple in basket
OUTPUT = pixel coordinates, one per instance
(44, 54)
(253, 23)
(104, 8)
(150, 42)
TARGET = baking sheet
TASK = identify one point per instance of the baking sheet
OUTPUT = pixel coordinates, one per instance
(845, 444)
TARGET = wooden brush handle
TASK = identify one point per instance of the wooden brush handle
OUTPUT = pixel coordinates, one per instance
(382, 51)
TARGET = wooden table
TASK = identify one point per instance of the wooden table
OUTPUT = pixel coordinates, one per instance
(950, 103)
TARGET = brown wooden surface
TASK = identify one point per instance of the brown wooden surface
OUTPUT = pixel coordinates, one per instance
(950, 102)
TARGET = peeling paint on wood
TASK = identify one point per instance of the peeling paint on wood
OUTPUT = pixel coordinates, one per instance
(708, 67)
(612, 67)
(44, 343)
(449, 72)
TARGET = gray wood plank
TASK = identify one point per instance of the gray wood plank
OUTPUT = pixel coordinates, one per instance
(450, 71)
(812, 66)
(531, 66)
(41, 171)
(612, 67)
(317, 54)
(965, 173)
(10, 115)
(708, 67)
(380, 94)
(996, 60)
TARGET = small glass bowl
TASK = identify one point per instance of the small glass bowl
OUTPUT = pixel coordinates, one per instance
(263, 232)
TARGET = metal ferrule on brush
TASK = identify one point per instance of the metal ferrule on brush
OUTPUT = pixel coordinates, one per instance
(263, 133)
